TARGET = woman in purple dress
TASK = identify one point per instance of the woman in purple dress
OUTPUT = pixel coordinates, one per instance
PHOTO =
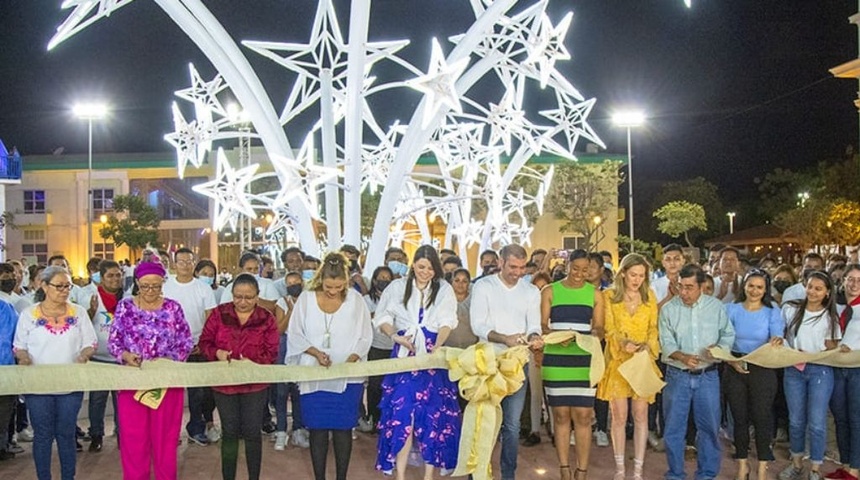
(418, 313)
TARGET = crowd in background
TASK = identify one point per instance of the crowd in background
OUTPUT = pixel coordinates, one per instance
(329, 311)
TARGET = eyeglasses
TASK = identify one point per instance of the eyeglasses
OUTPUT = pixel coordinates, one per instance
(149, 287)
(247, 298)
(61, 287)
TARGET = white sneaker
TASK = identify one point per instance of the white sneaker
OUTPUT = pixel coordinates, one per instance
(213, 433)
(354, 435)
(26, 435)
(365, 425)
(656, 442)
(280, 440)
(572, 438)
(300, 438)
(601, 438)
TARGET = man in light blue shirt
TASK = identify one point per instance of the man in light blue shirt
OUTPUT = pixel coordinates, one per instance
(689, 324)
(8, 324)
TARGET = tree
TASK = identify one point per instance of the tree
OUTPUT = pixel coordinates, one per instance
(678, 218)
(639, 246)
(806, 221)
(780, 188)
(582, 192)
(133, 223)
(698, 191)
(843, 222)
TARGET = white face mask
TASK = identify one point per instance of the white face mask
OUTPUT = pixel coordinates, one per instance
(207, 280)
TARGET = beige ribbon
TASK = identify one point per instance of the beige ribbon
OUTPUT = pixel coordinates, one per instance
(642, 375)
(769, 356)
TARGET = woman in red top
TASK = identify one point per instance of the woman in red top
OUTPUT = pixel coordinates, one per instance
(241, 330)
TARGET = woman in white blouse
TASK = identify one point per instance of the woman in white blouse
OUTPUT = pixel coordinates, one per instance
(418, 313)
(845, 401)
(812, 326)
(330, 324)
(50, 332)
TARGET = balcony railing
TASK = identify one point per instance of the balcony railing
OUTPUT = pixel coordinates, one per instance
(10, 166)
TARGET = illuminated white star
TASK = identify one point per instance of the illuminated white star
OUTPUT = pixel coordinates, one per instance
(570, 119)
(191, 141)
(549, 47)
(439, 84)
(80, 18)
(228, 189)
(302, 178)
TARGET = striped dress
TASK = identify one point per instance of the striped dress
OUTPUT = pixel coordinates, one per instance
(565, 370)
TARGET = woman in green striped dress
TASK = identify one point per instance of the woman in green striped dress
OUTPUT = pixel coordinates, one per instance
(571, 304)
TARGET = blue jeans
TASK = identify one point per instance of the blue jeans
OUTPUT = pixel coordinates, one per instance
(853, 458)
(285, 390)
(96, 412)
(703, 393)
(201, 404)
(839, 408)
(512, 409)
(808, 395)
(54, 417)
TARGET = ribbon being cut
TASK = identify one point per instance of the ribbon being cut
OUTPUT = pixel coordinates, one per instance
(769, 356)
(485, 378)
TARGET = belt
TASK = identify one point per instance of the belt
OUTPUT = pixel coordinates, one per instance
(700, 371)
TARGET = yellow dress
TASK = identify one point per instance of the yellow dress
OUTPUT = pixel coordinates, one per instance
(641, 327)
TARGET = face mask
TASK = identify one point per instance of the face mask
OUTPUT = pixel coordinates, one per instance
(558, 276)
(7, 285)
(381, 284)
(96, 277)
(270, 275)
(308, 274)
(490, 269)
(398, 268)
(527, 278)
(781, 285)
(207, 280)
(353, 265)
(294, 290)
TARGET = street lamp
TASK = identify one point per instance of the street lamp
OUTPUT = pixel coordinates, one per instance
(731, 216)
(802, 197)
(103, 218)
(90, 112)
(629, 120)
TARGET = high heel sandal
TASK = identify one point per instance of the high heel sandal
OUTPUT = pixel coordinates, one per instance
(619, 475)
(580, 474)
(564, 472)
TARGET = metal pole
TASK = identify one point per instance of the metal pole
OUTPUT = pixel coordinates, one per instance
(90, 194)
(630, 187)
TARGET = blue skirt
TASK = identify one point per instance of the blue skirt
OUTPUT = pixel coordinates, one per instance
(332, 411)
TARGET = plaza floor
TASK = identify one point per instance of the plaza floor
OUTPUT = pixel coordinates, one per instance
(203, 462)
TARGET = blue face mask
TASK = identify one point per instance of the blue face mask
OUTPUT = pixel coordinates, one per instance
(207, 280)
(398, 268)
(527, 278)
(96, 277)
(308, 274)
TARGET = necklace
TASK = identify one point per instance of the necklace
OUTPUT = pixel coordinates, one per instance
(327, 318)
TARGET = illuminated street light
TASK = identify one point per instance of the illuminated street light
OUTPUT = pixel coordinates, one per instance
(802, 197)
(731, 216)
(629, 120)
(90, 112)
(103, 218)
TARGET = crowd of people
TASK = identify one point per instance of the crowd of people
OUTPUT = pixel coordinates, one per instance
(322, 312)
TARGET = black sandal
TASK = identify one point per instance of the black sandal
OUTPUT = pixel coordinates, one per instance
(562, 469)
(584, 474)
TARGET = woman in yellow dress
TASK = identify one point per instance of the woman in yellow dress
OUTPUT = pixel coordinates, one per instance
(631, 327)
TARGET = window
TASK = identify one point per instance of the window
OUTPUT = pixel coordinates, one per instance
(104, 250)
(572, 243)
(102, 201)
(34, 201)
(37, 250)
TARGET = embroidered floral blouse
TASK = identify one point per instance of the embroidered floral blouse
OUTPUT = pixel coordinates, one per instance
(161, 333)
(53, 340)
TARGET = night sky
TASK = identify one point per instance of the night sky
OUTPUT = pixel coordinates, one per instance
(733, 88)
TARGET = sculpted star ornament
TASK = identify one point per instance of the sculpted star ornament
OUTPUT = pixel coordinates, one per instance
(228, 189)
(439, 84)
(549, 47)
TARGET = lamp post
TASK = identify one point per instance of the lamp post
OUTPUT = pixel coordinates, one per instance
(731, 216)
(103, 218)
(629, 120)
(90, 112)
(802, 197)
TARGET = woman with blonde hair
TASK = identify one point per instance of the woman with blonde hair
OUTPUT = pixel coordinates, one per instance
(631, 327)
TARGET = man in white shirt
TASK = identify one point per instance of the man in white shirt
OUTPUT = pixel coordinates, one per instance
(666, 287)
(812, 262)
(76, 295)
(726, 285)
(197, 301)
(505, 311)
(250, 262)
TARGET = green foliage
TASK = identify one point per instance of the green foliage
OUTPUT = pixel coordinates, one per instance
(580, 192)
(699, 191)
(133, 223)
(678, 218)
(639, 246)
(779, 188)
(823, 221)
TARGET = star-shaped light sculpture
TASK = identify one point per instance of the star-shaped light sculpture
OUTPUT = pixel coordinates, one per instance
(571, 119)
(228, 189)
(302, 178)
(505, 120)
(80, 17)
(439, 85)
(549, 47)
(191, 141)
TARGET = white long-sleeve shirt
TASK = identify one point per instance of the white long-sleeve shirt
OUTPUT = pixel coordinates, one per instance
(349, 331)
(390, 310)
(504, 310)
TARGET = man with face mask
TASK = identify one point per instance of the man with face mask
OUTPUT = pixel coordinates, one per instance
(397, 261)
(250, 262)
(489, 261)
(197, 300)
(293, 286)
(8, 283)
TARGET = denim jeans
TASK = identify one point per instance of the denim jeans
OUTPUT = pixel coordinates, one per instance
(839, 409)
(54, 417)
(96, 412)
(512, 408)
(290, 390)
(853, 459)
(808, 395)
(703, 393)
(201, 404)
